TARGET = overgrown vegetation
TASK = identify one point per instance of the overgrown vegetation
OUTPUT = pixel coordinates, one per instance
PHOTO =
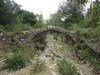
(40, 42)
(14, 20)
(66, 68)
(71, 15)
(87, 55)
(26, 49)
(57, 35)
(19, 56)
(15, 62)
(87, 33)
(38, 67)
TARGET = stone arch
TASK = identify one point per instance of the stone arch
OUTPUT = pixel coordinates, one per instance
(31, 34)
(34, 33)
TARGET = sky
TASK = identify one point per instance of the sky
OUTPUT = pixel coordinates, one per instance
(46, 7)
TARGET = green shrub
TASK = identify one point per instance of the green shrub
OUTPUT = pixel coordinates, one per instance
(87, 55)
(26, 49)
(92, 57)
(1, 28)
(38, 67)
(40, 42)
(15, 62)
(40, 38)
(27, 27)
(87, 33)
(56, 36)
(65, 68)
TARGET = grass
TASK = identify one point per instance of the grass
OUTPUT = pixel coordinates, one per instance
(26, 49)
(87, 33)
(20, 53)
(38, 67)
(87, 55)
(15, 62)
(82, 51)
(65, 68)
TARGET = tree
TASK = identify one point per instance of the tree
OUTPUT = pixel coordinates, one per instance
(93, 15)
(72, 13)
(28, 17)
(7, 9)
(79, 2)
(3, 13)
(40, 21)
(56, 19)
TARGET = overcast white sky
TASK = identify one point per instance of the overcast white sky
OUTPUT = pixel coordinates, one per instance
(47, 7)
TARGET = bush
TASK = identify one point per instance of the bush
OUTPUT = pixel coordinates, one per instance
(65, 68)
(26, 49)
(40, 42)
(40, 38)
(15, 62)
(56, 36)
(87, 55)
(38, 67)
(87, 33)
(1, 28)
(91, 57)
(27, 27)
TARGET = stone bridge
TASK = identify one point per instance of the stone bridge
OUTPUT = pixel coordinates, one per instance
(72, 35)
(31, 34)
(34, 33)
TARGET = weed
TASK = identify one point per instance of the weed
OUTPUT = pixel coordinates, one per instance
(38, 67)
(65, 68)
(15, 62)
(87, 55)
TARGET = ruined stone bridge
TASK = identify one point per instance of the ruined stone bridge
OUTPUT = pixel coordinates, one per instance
(33, 33)
(72, 35)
